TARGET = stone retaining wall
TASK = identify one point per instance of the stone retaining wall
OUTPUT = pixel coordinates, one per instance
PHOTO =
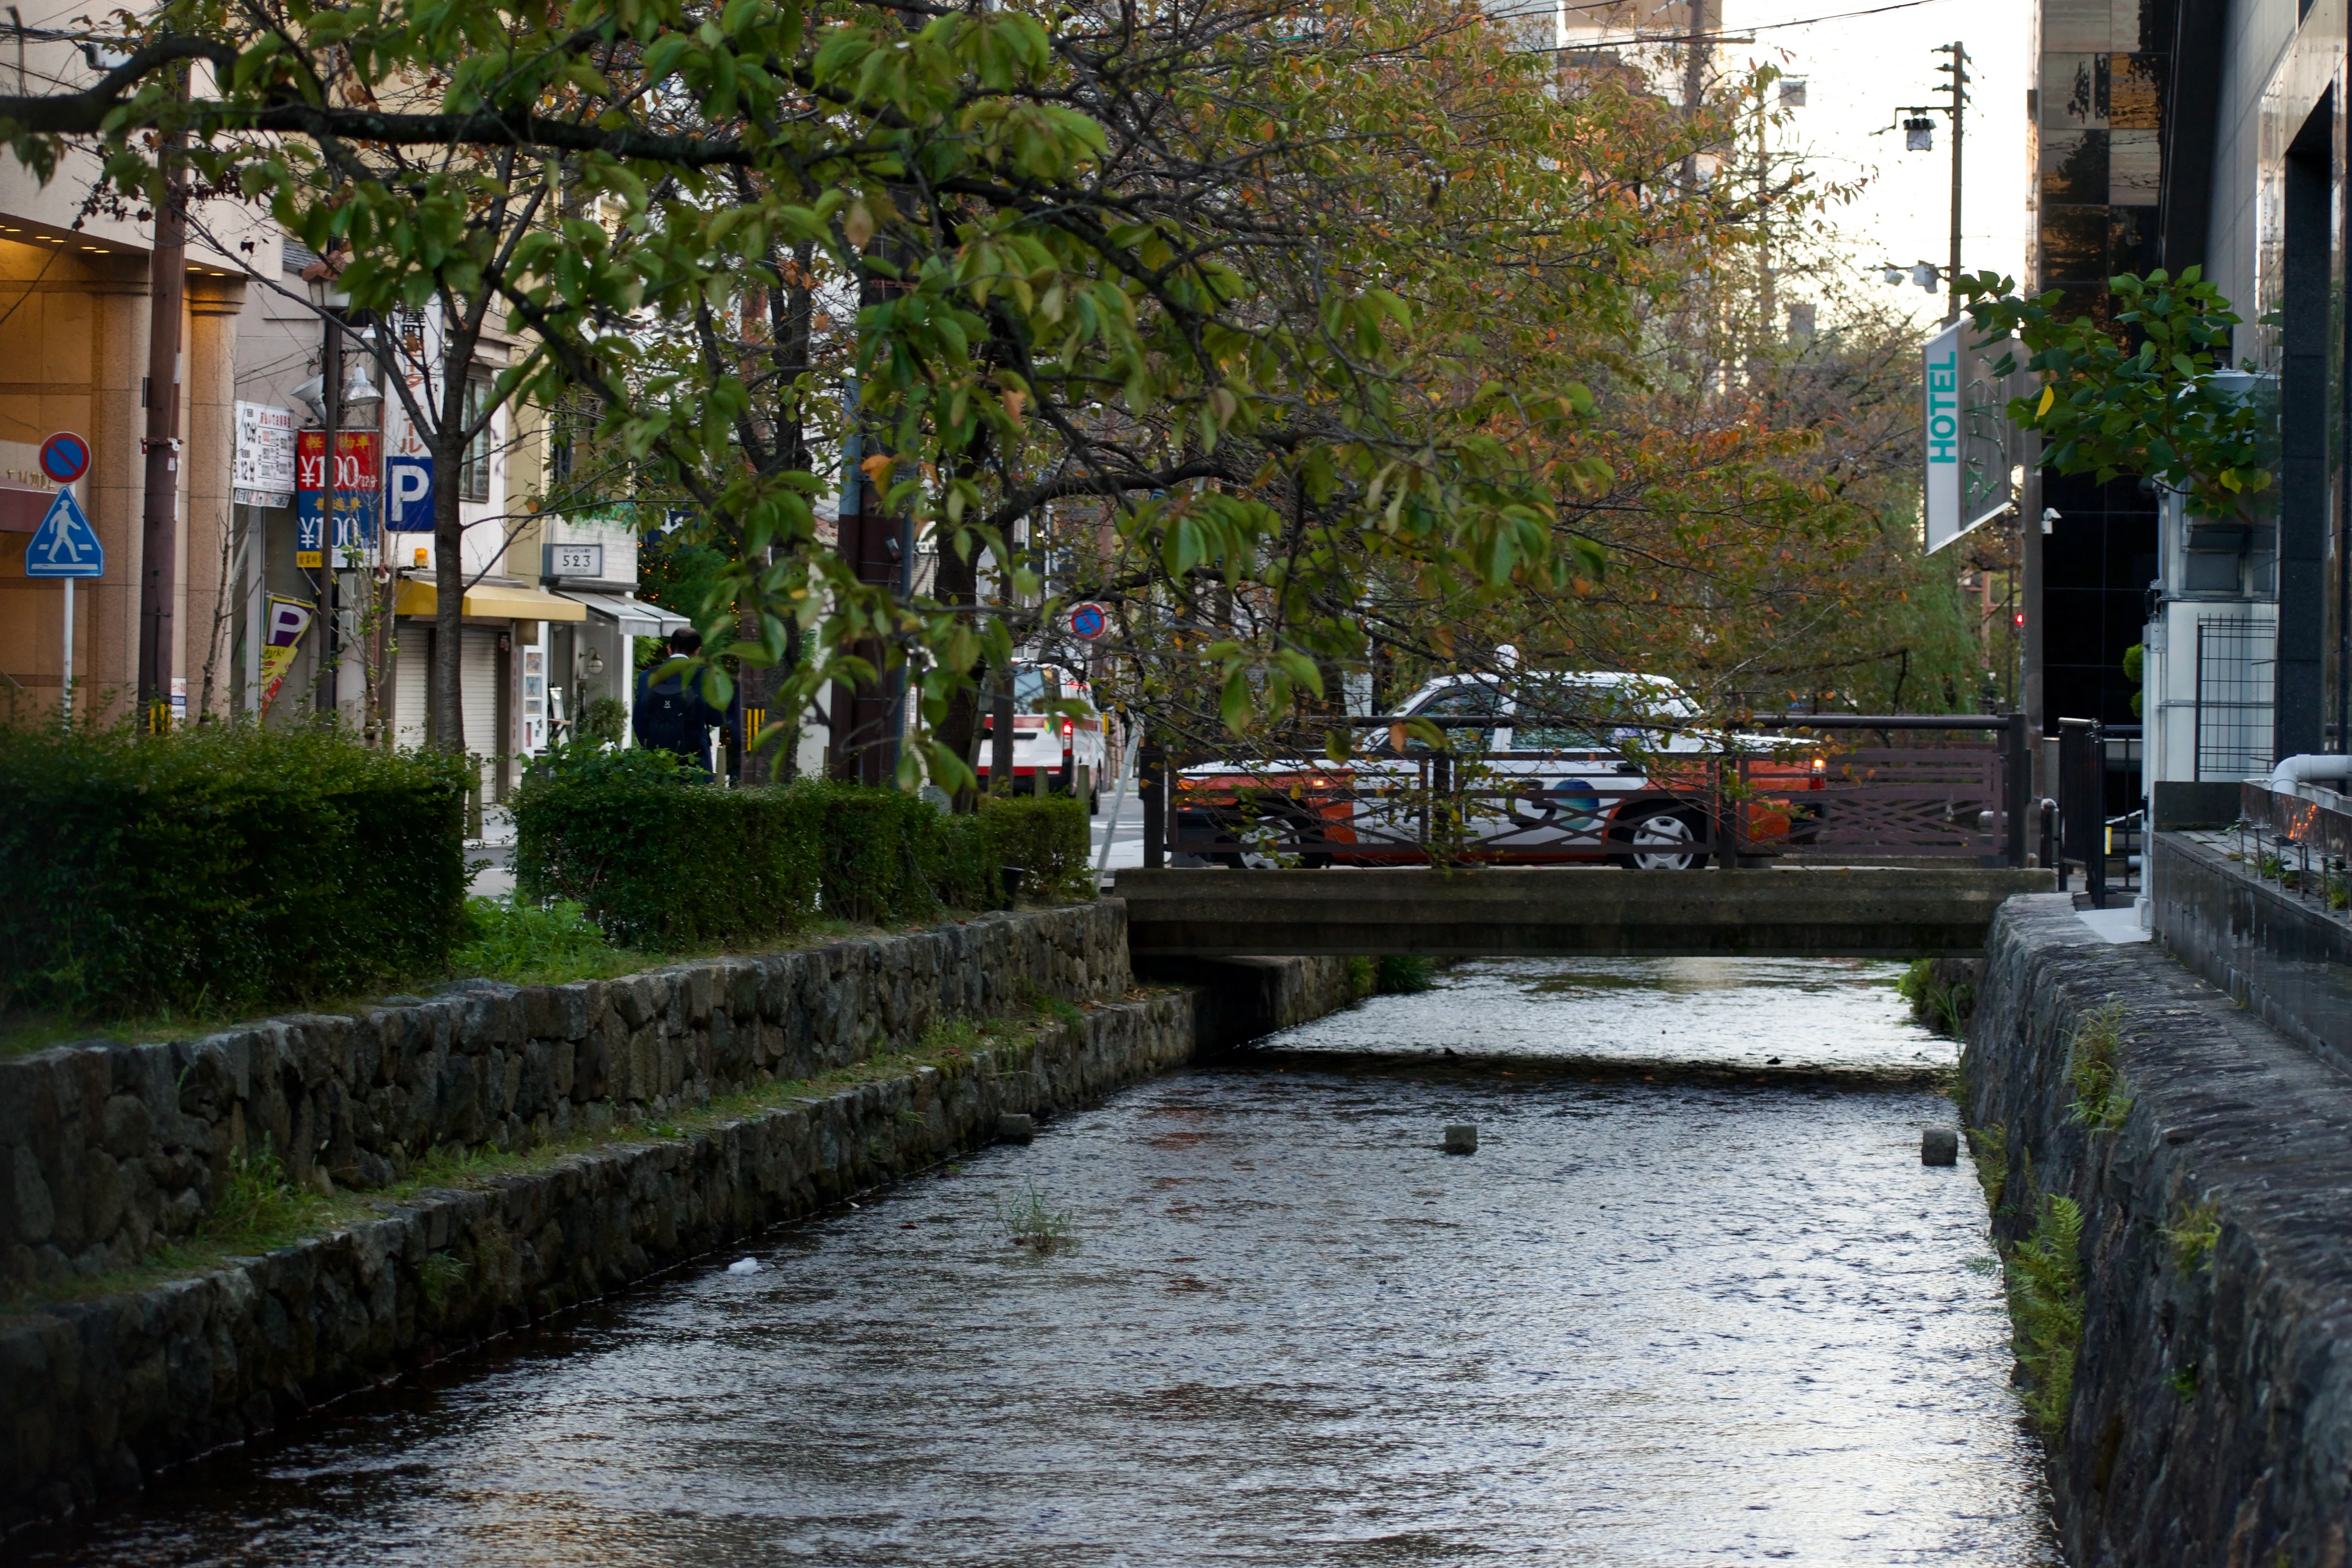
(94, 1396)
(108, 1151)
(2212, 1417)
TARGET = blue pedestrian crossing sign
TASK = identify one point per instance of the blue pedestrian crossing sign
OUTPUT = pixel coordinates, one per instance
(64, 545)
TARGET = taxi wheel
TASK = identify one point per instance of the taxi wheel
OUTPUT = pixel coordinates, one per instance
(1659, 839)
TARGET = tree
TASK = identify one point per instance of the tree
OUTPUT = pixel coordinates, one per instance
(2146, 400)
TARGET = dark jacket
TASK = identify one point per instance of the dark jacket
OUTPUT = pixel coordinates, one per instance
(671, 716)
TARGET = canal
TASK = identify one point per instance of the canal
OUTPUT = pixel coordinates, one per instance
(1694, 1300)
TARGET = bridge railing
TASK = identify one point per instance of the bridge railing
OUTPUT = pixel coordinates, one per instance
(1818, 791)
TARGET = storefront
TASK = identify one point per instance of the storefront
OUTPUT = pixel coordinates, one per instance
(501, 663)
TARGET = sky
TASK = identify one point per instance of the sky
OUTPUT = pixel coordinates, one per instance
(1858, 70)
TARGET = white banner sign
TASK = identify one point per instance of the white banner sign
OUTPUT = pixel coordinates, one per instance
(1973, 450)
(264, 470)
(1940, 412)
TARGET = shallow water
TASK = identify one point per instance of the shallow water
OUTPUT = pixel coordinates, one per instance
(1661, 1317)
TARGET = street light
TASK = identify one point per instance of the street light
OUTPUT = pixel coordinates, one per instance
(1919, 135)
(361, 401)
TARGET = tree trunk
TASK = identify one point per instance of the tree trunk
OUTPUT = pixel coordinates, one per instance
(958, 584)
(449, 582)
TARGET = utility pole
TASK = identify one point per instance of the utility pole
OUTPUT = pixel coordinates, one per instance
(1919, 136)
(1695, 54)
(326, 702)
(159, 515)
(1959, 88)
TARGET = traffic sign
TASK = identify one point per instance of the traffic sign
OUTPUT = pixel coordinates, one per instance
(64, 545)
(1089, 622)
(64, 456)
(408, 495)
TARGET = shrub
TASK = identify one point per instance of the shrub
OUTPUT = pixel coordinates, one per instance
(221, 868)
(1939, 995)
(1404, 974)
(1044, 837)
(607, 720)
(658, 855)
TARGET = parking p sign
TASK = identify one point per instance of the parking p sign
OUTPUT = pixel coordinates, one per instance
(408, 495)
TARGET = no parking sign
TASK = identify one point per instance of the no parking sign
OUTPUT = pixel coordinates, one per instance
(1089, 622)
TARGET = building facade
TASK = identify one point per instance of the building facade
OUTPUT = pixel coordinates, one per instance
(2205, 132)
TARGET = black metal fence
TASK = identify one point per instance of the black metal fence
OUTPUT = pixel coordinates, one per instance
(1842, 788)
(2098, 769)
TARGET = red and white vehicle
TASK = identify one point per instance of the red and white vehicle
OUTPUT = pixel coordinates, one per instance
(1047, 743)
(1589, 767)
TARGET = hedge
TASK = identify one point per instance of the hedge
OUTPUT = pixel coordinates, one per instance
(221, 868)
(661, 856)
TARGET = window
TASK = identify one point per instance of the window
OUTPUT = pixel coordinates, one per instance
(474, 472)
(559, 451)
(1475, 702)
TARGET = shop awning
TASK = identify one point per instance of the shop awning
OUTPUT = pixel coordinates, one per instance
(636, 617)
(500, 598)
(22, 507)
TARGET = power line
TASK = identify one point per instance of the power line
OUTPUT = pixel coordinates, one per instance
(1726, 36)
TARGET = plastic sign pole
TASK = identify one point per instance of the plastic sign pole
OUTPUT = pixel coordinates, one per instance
(65, 689)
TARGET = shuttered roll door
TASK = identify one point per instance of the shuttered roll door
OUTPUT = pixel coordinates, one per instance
(478, 677)
(412, 676)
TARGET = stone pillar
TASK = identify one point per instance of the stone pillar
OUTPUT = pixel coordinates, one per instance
(106, 666)
(210, 381)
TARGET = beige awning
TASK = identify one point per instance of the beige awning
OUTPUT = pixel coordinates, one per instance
(496, 597)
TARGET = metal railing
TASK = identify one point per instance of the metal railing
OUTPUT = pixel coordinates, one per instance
(1817, 796)
(2300, 844)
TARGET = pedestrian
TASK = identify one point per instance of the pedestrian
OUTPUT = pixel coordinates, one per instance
(671, 714)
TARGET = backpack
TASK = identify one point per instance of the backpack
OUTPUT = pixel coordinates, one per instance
(664, 716)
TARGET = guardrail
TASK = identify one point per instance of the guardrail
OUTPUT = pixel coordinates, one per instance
(1814, 797)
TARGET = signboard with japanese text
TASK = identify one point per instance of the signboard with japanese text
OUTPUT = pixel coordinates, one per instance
(358, 481)
(262, 474)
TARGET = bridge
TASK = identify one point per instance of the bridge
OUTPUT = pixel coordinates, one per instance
(1845, 911)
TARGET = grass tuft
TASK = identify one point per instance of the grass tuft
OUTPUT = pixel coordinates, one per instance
(1031, 1223)
(259, 1208)
(2193, 1236)
(1403, 975)
(2045, 1309)
(1989, 1146)
(439, 1274)
(2093, 1069)
(529, 945)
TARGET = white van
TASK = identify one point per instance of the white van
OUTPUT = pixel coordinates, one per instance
(1065, 749)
